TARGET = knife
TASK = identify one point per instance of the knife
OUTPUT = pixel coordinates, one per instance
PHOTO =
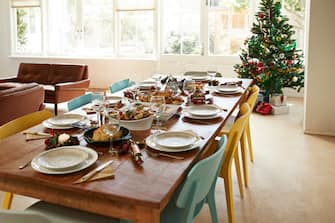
(95, 171)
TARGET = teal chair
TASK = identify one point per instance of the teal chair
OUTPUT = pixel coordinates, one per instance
(198, 188)
(120, 85)
(82, 100)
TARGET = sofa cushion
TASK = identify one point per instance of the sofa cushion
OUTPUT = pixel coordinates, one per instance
(30, 72)
(11, 87)
(61, 73)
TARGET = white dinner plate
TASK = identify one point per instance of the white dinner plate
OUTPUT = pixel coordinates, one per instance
(61, 158)
(152, 143)
(146, 84)
(91, 159)
(112, 100)
(66, 119)
(47, 124)
(228, 88)
(175, 139)
(203, 110)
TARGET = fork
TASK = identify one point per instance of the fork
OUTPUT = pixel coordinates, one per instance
(156, 154)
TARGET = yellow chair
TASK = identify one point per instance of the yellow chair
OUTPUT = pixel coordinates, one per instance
(231, 153)
(251, 100)
(253, 93)
(18, 125)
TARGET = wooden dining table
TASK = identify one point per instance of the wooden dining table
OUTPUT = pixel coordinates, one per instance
(137, 193)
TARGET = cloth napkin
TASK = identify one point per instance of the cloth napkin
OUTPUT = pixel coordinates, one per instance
(107, 173)
(35, 136)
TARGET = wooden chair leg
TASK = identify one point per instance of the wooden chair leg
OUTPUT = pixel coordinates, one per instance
(238, 173)
(229, 196)
(7, 201)
(251, 153)
(244, 159)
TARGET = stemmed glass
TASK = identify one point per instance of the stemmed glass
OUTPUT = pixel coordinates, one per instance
(211, 72)
(98, 105)
(189, 87)
(111, 125)
(158, 106)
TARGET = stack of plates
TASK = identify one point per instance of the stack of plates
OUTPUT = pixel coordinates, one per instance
(64, 121)
(202, 112)
(63, 160)
(146, 85)
(228, 89)
(174, 141)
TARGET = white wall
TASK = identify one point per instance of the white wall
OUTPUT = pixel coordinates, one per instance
(319, 97)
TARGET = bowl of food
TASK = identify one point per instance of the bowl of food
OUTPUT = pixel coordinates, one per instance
(97, 137)
(138, 117)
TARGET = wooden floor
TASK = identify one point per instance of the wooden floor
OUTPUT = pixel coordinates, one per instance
(292, 179)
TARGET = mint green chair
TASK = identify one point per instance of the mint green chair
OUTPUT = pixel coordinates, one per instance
(82, 100)
(120, 85)
(198, 189)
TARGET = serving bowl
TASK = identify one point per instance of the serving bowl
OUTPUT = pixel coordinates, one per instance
(88, 136)
(138, 124)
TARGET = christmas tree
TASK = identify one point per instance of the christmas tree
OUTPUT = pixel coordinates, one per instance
(269, 56)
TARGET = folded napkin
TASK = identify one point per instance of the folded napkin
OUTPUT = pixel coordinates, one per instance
(34, 136)
(107, 173)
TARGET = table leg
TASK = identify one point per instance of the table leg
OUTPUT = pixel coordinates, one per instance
(147, 215)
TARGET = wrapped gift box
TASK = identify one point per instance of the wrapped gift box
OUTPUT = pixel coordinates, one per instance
(280, 110)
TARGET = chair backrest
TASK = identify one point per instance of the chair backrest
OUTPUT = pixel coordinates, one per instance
(24, 122)
(22, 217)
(79, 101)
(254, 91)
(120, 85)
(234, 136)
(199, 182)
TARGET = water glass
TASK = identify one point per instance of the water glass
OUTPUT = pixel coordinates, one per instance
(98, 105)
(157, 106)
(111, 125)
(189, 87)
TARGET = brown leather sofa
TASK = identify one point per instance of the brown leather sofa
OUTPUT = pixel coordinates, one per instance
(17, 100)
(61, 82)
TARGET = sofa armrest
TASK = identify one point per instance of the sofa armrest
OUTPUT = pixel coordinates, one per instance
(8, 79)
(67, 91)
(73, 86)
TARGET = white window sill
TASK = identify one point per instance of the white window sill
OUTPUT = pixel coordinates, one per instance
(18, 56)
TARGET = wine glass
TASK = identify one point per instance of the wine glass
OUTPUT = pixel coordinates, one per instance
(98, 105)
(157, 106)
(111, 125)
(189, 87)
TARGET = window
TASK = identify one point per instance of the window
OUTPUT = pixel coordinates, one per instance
(27, 32)
(216, 27)
(181, 27)
(228, 26)
(136, 27)
(86, 27)
(129, 28)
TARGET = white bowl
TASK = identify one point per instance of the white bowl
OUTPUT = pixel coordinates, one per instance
(138, 125)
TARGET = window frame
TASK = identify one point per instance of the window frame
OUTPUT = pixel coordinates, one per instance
(13, 30)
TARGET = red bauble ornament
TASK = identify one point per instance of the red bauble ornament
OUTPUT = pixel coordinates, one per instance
(261, 15)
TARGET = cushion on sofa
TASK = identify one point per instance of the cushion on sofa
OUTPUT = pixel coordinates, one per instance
(11, 87)
(61, 73)
(30, 72)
